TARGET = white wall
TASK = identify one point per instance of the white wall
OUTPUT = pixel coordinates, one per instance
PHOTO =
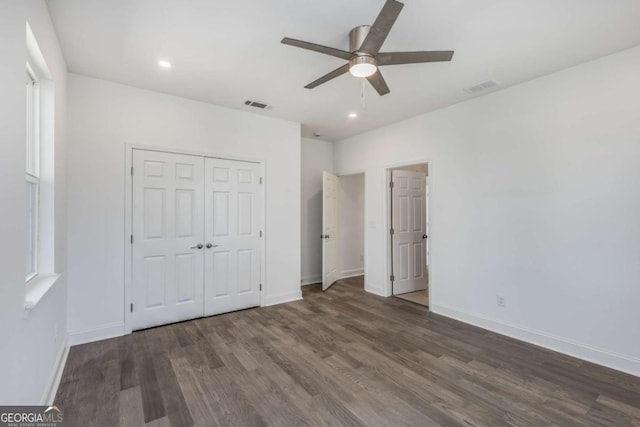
(534, 194)
(29, 347)
(103, 117)
(351, 225)
(316, 156)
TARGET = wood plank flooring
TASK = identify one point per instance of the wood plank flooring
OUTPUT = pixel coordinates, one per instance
(417, 297)
(343, 357)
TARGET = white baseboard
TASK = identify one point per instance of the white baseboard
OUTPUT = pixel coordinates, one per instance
(376, 291)
(282, 298)
(351, 273)
(96, 334)
(53, 382)
(620, 362)
(311, 280)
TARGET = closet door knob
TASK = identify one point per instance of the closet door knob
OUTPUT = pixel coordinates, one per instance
(198, 246)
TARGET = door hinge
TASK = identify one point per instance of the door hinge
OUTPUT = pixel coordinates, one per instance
(260, 233)
(260, 180)
(132, 239)
(260, 286)
(131, 170)
(392, 278)
(132, 307)
(391, 184)
(391, 231)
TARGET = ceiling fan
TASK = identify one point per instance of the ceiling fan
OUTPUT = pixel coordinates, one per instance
(365, 57)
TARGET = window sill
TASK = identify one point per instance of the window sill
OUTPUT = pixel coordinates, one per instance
(37, 288)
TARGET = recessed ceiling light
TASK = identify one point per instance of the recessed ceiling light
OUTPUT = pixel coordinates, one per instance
(352, 115)
(164, 63)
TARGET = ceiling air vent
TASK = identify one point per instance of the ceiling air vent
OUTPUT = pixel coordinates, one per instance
(487, 84)
(258, 104)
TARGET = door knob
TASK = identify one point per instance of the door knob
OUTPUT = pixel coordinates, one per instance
(424, 236)
(198, 246)
(209, 246)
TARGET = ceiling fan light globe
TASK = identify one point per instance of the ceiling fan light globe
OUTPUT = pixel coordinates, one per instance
(363, 66)
(363, 70)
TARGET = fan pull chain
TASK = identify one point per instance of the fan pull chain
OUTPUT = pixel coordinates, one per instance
(364, 103)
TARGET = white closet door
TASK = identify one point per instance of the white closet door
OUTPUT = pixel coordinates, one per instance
(233, 203)
(409, 223)
(330, 229)
(167, 228)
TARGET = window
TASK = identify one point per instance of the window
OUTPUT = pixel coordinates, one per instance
(39, 176)
(32, 174)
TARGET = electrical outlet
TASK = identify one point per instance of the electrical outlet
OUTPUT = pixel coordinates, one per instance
(501, 301)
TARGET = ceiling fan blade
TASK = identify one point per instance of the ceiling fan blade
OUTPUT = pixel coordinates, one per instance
(332, 75)
(378, 83)
(396, 58)
(317, 48)
(381, 27)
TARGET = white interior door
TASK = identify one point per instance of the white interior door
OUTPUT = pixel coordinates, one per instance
(233, 206)
(408, 224)
(167, 226)
(329, 230)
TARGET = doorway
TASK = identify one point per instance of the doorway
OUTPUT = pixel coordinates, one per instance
(408, 214)
(196, 245)
(343, 228)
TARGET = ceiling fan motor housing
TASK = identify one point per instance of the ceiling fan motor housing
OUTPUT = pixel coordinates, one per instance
(357, 36)
(362, 64)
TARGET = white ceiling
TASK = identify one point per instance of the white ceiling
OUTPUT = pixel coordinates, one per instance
(227, 52)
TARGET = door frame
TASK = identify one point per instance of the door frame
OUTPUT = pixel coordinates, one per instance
(387, 220)
(128, 216)
(367, 277)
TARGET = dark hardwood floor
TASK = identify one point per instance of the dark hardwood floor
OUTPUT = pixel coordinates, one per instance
(343, 357)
